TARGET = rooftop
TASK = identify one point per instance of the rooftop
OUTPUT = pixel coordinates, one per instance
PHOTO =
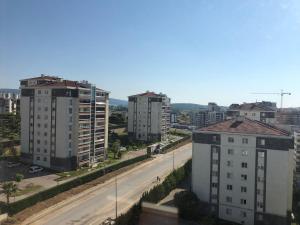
(245, 126)
(149, 94)
(258, 106)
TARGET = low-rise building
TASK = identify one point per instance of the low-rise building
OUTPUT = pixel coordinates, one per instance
(148, 116)
(64, 124)
(243, 169)
(260, 111)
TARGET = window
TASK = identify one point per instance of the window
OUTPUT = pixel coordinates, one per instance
(229, 175)
(229, 187)
(243, 189)
(214, 197)
(261, 154)
(46, 125)
(71, 119)
(71, 102)
(230, 151)
(243, 201)
(70, 128)
(214, 138)
(245, 140)
(70, 110)
(260, 179)
(38, 141)
(228, 211)
(244, 177)
(46, 142)
(215, 161)
(229, 199)
(243, 214)
(262, 141)
(46, 117)
(258, 192)
(214, 173)
(70, 145)
(39, 125)
(230, 139)
(229, 163)
(253, 114)
(38, 116)
(261, 167)
(38, 158)
(45, 134)
(244, 153)
(45, 150)
(214, 150)
(45, 159)
(39, 92)
(244, 165)
(70, 136)
(260, 205)
(214, 185)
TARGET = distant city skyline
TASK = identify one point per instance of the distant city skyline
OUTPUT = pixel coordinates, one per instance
(195, 51)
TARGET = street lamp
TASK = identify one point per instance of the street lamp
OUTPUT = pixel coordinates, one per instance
(173, 160)
(116, 184)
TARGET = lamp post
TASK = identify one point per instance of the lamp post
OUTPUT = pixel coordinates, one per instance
(173, 160)
(116, 184)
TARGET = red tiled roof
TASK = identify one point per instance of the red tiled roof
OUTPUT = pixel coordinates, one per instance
(147, 94)
(245, 126)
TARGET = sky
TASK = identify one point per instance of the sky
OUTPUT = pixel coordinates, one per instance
(195, 51)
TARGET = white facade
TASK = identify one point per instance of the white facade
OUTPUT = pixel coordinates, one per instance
(242, 176)
(148, 116)
(61, 128)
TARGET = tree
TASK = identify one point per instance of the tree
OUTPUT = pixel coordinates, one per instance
(9, 188)
(115, 148)
(19, 177)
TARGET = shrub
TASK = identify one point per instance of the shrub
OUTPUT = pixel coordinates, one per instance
(188, 205)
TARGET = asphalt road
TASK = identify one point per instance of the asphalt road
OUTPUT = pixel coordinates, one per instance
(98, 203)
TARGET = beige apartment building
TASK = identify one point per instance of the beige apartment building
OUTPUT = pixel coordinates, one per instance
(243, 169)
(64, 124)
(148, 117)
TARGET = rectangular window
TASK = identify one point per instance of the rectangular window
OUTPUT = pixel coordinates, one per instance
(214, 185)
(214, 150)
(243, 201)
(229, 199)
(243, 189)
(70, 136)
(215, 161)
(229, 163)
(245, 140)
(261, 154)
(243, 214)
(46, 125)
(45, 134)
(214, 173)
(260, 179)
(230, 151)
(45, 159)
(229, 175)
(244, 177)
(260, 205)
(214, 138)
(70, 110)
(229, 187)
(258, 192)
(38, 158)
(262, 141)
(38, 141)
(39, 92)
(244, 153)
(45, 150)
(244, 165)
(230, 139)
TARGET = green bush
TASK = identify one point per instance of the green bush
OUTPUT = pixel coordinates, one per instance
(156, 194)
(18, 206)
(188, 205)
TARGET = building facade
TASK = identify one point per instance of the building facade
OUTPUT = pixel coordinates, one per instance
(64, 124)
(9, 102)
(148, 117)
(260, 111)
(243, 169)
(204, 118)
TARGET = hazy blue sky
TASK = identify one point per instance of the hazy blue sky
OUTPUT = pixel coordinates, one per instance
(194, 51)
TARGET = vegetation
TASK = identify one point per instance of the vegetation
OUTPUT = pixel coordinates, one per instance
(10, 127)
(156, 194)
(19, 177)
(28, 189)
(9, 188)
(115, 148)
(18, 206)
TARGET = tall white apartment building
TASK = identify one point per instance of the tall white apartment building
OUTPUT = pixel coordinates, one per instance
(260, 111)
(64, 124)
(243, 169)
(148, 116)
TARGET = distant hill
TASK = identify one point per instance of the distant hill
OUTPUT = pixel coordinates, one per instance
(10, 90)
(117, 102)
(187, 106)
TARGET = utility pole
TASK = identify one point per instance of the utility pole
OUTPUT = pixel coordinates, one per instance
(116, 184)
(173, 160)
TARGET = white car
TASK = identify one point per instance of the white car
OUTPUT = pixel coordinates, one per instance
(35, 169)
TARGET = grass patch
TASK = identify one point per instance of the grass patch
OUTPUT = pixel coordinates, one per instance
(28, 189)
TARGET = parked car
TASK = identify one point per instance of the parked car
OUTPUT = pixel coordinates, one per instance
(35, 169)
(13, 164)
